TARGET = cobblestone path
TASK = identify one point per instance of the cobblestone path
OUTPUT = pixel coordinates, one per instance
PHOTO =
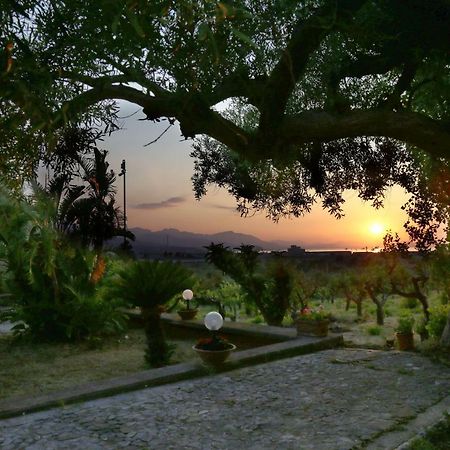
(335, 399)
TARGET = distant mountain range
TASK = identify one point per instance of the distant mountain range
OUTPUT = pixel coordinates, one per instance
(172, 240)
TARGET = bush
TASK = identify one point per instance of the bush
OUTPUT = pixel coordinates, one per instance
(409, 303)
(405, 324)
(229, 296)
(150, 285)
(269, 287)
(52, 294)
(374, 331)
(257, 319)
(438, 319)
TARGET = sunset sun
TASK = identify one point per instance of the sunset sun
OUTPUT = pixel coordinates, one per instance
(376, 228)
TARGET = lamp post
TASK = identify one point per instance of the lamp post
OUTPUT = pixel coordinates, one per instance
(187, 296)
(214, 322)
(123, 172)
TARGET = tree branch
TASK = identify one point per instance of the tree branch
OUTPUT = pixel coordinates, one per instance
(156, 106)
(403, 84)
(306, 38)
(409, 127)
(190, 109)
(239, 85)
(91, 81)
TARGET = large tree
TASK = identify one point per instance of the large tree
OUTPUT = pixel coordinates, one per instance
(322, 95)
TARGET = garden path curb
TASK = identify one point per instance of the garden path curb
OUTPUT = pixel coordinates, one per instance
(169, 374)
(402, 438)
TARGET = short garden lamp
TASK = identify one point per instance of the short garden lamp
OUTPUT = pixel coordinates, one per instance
(213, 321)
(187, 296)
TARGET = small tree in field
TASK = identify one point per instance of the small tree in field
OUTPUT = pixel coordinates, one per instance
(307, 285)
(408, 274)
(329, 289)
(269, 287)
(352, 289)
(376, 283)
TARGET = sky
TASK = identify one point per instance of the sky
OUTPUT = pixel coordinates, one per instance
(160, 195)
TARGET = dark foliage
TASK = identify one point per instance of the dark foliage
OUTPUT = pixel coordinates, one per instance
(268, 287)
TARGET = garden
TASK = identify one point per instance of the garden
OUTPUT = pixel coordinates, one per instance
(70, 306)
(289, 106)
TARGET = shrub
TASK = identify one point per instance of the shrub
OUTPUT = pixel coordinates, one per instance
(151, 285)
(229, 297)
(438, 319)
(374, 331)
(409, 303)
(52, 294)
(405, 324)
(257, 319)
(421, 326)
(268, 287)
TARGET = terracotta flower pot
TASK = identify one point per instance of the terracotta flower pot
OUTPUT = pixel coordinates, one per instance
(405, 341)
(307, 327)
(214, 357)
(187, 314)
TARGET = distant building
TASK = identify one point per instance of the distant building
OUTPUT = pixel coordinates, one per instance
(295, 250)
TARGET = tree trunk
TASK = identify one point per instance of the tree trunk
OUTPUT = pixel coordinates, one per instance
(380, 314)
(445, 338)
(380, 311)
(359, 308)
(378, 304)
(275, 320)
(424, 302)
(347, 304)
(158, 351)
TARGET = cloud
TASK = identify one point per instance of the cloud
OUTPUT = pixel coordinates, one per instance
(169, 203)
(228, 208)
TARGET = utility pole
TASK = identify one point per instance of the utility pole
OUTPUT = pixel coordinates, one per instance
(123, 172)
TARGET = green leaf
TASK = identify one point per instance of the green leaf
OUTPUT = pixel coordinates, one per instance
(135, 23)
(203, 31)
(243, 37)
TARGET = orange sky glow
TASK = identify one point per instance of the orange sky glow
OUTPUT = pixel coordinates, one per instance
(159, 195)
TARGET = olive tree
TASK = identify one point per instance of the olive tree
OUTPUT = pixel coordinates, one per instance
(320, 95)
(305, 74)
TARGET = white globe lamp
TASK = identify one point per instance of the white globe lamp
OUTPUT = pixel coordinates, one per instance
(213, 321)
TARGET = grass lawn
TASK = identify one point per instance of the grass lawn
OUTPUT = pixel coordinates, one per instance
(33, 369)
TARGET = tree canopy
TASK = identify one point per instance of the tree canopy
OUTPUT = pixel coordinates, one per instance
(294, 100)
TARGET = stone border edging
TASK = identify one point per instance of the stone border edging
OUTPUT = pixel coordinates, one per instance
(244, 329)
(164, 375)
(401, 439)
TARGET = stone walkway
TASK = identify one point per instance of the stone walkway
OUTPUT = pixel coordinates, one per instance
(335, 399)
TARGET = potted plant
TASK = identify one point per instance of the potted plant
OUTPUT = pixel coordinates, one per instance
(312, 322)
(188, 313)
(404, 333)
(214, 350)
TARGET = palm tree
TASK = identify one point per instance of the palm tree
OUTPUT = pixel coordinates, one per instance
(150, 285)
(86, 211)
(90, 214)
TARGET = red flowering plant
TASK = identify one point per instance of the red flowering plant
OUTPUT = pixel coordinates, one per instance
(307, 313)
(213, 343)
